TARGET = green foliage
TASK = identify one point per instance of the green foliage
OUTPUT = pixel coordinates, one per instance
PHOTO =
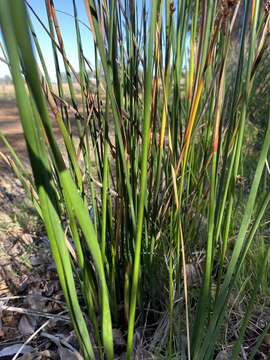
(155, 149)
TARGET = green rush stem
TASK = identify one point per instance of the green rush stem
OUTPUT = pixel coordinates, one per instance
(146, 127)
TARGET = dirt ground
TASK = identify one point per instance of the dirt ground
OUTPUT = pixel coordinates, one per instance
(30, 297)
(11, 127)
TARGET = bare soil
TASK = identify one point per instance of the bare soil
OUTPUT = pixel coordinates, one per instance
(30, 296)
(11, 127)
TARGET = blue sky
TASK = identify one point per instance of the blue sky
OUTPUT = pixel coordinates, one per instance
(64, 10)
(68, 32)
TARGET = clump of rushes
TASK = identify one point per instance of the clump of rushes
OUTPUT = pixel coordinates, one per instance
(155, 148)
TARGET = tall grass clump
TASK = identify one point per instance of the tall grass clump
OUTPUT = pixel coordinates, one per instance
(142, 195)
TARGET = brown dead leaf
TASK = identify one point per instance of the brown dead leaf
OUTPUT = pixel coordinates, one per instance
(10, 319)
(27, 356)
(13, 349)
(27, 239)
(27, 325)
(4, 289)
(34, 300)
(48, 354)
(66, 354)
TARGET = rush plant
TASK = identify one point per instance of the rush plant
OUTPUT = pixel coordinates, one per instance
(147, 171)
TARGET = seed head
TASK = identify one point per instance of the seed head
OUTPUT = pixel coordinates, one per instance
(232, 3)
(267, 7)
(226, 6)
(172, 7)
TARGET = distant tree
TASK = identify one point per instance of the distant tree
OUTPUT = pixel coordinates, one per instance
(5, 80)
